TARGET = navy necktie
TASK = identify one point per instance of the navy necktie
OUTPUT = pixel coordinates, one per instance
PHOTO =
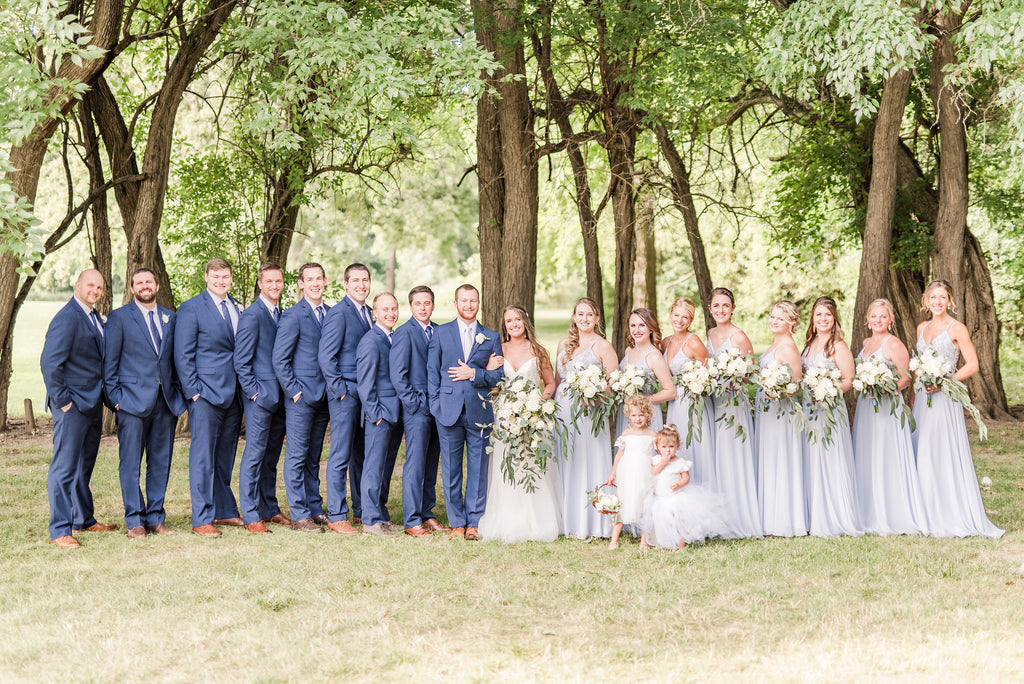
(227, 317)
(155, 331)
(429, 330)
(366, 317)
(96, 321)
(277, 315)
(319, 311)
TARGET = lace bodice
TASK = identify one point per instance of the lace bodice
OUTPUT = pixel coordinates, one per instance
(942, 344)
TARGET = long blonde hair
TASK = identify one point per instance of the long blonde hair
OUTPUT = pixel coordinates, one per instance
(572, 342)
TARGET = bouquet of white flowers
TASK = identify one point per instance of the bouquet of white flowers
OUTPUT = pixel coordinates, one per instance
(932, 369)
(777, 383)
(588, 388)
(878, 378)
(695, 379)
(732, 371)
(629, 381)
(526, 423)
(823, 386)
(604, 502)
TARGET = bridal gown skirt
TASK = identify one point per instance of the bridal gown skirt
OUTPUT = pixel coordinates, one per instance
(584, 462)
(701, 451)
(515, 514)
(780, 470)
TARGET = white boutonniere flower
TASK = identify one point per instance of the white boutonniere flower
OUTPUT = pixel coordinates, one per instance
(481, 338)
(238, 307)
(165, 318)
(103, 319)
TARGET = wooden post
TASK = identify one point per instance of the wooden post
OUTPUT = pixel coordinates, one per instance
(30, 419)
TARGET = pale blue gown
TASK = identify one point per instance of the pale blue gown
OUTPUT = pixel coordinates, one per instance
(888, 489)
(828, 471)
(701, 451)
(780, 464)
(949, 483)
(734, 462)
(584, 461)
(621, 421)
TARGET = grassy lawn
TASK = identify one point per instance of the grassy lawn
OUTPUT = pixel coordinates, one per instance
(294, 606)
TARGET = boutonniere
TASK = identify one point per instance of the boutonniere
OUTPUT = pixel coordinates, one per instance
(238, 307)
(481, 338)
(165, 318)
(103, 319)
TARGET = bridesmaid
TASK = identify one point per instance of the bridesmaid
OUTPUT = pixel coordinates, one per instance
(828, 469)
(944, 462)
(585, 459)
(734, 455)
(888, 489)
(643, 350)
(682, 347)
(780, 467)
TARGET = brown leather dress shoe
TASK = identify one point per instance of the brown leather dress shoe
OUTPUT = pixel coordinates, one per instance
(378, 530)
(306, 525)
(342, 527)
(321, 519)
(97, 527)
(257, 527)
(472, 534)
(458, 533)
(357, 521)
(160, 528)
(206, 531)
(434, 526)
(229, 522)
(138, 532)
(418, 531)
(279, 519)
(66, 542)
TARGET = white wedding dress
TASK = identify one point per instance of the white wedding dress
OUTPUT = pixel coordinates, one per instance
(514, 514)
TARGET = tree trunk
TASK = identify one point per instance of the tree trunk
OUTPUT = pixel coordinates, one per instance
(877, 242)
(645, 274)
(979, 314)
(102, 256)
(621, 156)
(279, 225)
(389, 271)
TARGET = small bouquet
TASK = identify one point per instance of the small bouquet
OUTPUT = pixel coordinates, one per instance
(777, 383)
(933, 369)
(629, 381)
(695, 379)
(732, 371)
(588, 388)
(878, 378)
(526, 423)
(823, 386)
(604, 502)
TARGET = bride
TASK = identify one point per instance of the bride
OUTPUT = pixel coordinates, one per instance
(514, 514)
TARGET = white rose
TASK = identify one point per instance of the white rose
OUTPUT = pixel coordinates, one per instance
(858, 385)
(481, 338)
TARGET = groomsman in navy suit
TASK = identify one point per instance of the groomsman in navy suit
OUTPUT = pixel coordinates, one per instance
(72, 365)
(382, 415)
(261, 399)
(459, 389)
(304, 390)
(204, 350)
(345, 325)
(139, 379)
(409, 376)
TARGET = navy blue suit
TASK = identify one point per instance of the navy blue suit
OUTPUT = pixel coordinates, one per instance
(72, 365)
(295, 362)
(204, 350)
(264, 416)
(461, 408)
(382, 415)
(343, 328)
(409, 377)
(140, 382)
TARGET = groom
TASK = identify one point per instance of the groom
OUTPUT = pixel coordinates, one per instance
(458, 388)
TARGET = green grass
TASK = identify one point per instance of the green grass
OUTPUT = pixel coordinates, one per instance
(29, 332)
(292, 606)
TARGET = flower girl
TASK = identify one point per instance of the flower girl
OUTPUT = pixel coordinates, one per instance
(631, 471)
(677, 512)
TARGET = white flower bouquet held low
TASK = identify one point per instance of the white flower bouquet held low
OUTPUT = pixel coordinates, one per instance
(694, 379)
(604, 502)
(823, 386)
(588, 389)
(777, 384)
(878, 378)
(526, 423)
(732, 371)
(629, 381)
(932, 369)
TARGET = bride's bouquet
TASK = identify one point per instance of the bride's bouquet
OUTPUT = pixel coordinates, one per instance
(694, 379)
(777, 383)
(878, 378)
(933, 369)
(526, 424)
(823, 385)
(588, 389)
(732, 371)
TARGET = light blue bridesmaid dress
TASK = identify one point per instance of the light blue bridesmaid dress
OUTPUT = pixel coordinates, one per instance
(945, 466)
(701, 451)
(888, 489)
(734, 461)
(585, 461)
(621, 422)
(828, 470)
(780, 465)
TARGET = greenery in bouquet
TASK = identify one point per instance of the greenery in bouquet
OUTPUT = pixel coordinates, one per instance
(733, 372)
(823, 386)
(932, 369)
(588, 389)
(778, 385)
(526, 424)
(877, 378)
(694, 379)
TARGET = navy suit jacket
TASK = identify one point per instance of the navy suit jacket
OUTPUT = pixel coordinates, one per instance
(135, 376)
(72, 360)
(376, 393)
(204, 351)
(409, 366)
(448, 397)
(339, 339)
(254, 356)
(295, 353)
